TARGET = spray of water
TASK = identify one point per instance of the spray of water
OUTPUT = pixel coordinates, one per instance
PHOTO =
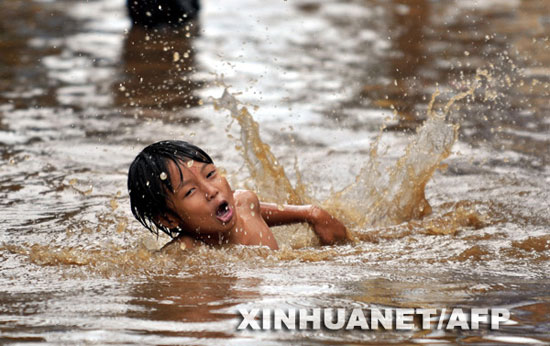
(269, 177)
(379, 195)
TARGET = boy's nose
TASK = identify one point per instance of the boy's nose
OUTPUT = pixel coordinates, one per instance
(210, 192)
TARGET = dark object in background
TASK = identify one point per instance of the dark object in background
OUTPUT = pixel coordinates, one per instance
(152, 13)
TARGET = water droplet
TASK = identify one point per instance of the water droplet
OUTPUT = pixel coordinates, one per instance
(113, 204)
(176, 56)
(121, 227)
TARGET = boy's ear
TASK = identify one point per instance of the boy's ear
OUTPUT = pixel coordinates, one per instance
(168, 220)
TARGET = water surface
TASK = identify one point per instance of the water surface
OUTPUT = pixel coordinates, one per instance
(81, 93)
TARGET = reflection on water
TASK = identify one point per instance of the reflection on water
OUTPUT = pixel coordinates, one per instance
(158, 67)
(408, 62)
(339, 91)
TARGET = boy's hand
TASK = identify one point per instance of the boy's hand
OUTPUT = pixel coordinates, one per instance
(328, 228)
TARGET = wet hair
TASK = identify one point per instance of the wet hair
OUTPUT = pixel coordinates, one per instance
(149, 183)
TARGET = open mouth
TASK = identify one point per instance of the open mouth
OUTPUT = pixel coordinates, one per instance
(224, 213)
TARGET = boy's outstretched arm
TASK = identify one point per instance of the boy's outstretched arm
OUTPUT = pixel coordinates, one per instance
(328, 228)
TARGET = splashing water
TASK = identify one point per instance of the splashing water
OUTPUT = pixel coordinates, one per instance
(268, 175)
(77, 268)
(383, 196)
(380, 195)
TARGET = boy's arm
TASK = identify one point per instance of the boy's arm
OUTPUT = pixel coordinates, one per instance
(328, 229)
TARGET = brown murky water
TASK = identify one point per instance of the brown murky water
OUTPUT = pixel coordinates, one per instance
(340, 90)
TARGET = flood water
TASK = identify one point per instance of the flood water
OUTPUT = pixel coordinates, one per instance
(81, 93)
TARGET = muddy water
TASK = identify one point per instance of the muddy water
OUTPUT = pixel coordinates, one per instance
(339, 91)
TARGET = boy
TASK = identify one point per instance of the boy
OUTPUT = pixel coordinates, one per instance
(175, 187)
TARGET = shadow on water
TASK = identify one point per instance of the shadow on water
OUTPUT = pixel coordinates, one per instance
(407, 90)
(158, 65)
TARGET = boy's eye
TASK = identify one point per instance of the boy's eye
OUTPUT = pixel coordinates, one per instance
(190, 191)
(211, 173)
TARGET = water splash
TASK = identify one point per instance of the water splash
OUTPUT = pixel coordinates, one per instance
(383, 196)
(270, 179)
(380, 195)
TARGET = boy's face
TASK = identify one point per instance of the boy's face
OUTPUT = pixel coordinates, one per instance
(203, 203)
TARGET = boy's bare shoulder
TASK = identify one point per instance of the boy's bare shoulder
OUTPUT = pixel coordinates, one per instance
(180, 243)
(245, 196)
